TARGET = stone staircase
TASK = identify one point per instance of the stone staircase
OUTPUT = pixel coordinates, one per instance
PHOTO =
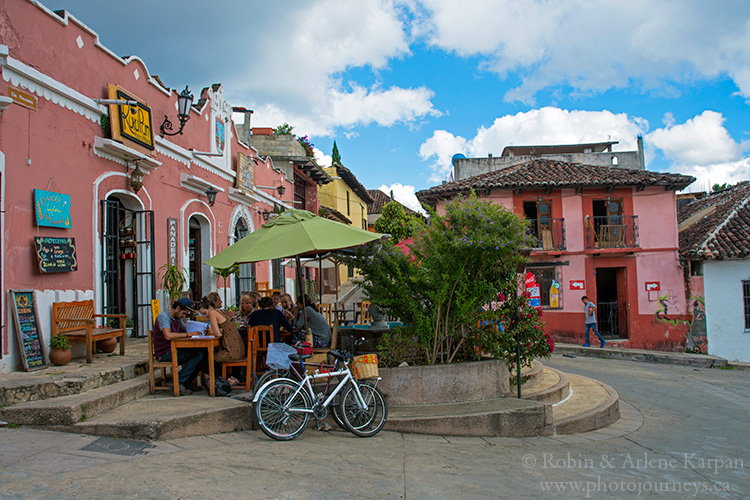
(110, 398)
(552, 403)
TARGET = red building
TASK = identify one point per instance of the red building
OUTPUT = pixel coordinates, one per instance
(605, 232)
(87, 160)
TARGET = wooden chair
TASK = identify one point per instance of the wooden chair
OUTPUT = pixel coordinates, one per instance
(249, 363)
(153, 364)
(269, 292)
(261, 285)
(263, 338)
(327, 311)
(364, 312)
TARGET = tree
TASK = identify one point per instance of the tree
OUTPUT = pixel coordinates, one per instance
(284, 129)
(719, 187)
(335, 156)
(397, 222)
(458, 264)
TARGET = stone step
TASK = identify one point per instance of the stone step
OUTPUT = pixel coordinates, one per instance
(76, 377)
(167, 417)
(590, 405)
(530, 376)
(495, 417)
(72, 409)
(553, 386)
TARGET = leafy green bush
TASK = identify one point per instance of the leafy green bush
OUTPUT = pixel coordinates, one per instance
(458, 264)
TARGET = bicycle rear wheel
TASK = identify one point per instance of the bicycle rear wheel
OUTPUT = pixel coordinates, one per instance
(281, 410)
(363, 422)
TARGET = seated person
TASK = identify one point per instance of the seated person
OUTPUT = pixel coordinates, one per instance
(248, 305)
(168, 327)
(287, 306)
(316, 322)
(276, 297)
(232, 347)
(268, 315)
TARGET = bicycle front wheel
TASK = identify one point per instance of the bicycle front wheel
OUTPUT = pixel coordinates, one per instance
(363, 422)
(283, 411)
(270, 375)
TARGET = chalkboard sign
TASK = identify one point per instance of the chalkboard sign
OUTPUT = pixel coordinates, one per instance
(56, 255)
(23, 303)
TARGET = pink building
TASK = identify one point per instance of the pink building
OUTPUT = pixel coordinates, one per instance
(95, 178)
(605, 232)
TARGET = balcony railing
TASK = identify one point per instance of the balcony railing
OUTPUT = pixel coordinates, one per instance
(614, 231)
(547, 234)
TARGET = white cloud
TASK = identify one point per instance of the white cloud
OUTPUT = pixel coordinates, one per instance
(719, 173)
(323, 159)
(539, 126)
(700, 141)
(404, 195)
(594, 45)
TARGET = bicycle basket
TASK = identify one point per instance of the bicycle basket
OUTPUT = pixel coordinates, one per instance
(278, 356)
(365, 366)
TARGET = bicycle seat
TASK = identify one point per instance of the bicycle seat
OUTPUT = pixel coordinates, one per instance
(299, 357)
(338, 355)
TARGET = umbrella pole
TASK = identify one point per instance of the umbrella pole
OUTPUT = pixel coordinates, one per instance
(320, 279)
(301, 290)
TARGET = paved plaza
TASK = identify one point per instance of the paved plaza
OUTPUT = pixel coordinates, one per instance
(683, 435)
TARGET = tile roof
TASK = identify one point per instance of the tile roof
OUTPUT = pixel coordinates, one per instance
(380, 199)
(717, 226)
(352, 182)
(552, 174)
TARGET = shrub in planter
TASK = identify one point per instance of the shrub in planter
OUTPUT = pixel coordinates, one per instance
(60, 352)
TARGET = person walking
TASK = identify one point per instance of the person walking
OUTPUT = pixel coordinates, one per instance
(589, 311)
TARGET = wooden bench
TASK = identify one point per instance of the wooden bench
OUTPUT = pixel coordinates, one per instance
(76, 320)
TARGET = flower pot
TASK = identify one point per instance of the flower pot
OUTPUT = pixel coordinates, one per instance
(106, 345)
(60, 357)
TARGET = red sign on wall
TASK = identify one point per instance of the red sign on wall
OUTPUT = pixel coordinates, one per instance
(577, 285)
(652, 286)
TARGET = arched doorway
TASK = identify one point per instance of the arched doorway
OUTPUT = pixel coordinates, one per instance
(128, 274)
(244, 278)
(199, 245)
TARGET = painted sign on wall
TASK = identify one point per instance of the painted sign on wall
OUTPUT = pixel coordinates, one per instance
(52, 209)
(245, 170)
(172, 241)
(653, 286)
(56, 255)
(577, 285)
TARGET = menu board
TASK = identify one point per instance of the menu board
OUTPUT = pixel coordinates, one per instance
(56, 255)
(29, 337)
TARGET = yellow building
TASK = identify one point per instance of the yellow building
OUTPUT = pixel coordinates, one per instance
(344, 200)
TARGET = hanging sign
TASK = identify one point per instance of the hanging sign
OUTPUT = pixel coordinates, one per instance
(245, 167)
(131, 125)
(29, 336)
(56, 255)
(52, 209)
(577, 285)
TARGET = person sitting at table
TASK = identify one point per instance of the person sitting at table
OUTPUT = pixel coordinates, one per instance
(287, 306)
(248, 305)
(268, 315)
(232, 348)
(316, 322)
(168, 327)
(276, 297)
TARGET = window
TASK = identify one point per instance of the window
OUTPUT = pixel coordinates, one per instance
(546, 277)
(299, 192)
(746, 300)
(696, 268)
(348, 210)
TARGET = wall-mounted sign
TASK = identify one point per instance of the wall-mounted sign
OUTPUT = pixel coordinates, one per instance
(56, 255)
(172, 233)
(52, 209)
(131, 125)
(577, 284)
(554, 295)
(22, 98)
(530, 279)
(535, 296)
(26, 318)
(245, 171)
(653, 286)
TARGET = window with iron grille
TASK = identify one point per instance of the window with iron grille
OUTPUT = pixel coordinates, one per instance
(299, 192)
(545, 277)
(746, 300)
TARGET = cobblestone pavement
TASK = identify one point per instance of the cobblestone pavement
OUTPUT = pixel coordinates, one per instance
(683, 435)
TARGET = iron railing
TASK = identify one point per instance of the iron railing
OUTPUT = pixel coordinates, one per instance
(547, 234)
(614, 231)
(612, 319)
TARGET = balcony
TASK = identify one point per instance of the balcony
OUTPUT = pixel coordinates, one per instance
(614, 231)
(547, 234)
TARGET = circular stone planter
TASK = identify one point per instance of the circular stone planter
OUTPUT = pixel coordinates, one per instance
(435, 384)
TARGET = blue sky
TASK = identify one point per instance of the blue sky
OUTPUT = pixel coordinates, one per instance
(402, 85)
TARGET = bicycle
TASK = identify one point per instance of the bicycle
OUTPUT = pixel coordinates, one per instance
(283, 406)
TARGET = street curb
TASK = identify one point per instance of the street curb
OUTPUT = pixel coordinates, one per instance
(669, 358)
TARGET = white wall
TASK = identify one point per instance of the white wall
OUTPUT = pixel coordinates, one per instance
(725, 312)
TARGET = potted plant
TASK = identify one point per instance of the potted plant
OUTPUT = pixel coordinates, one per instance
(173, 280)
(60, 352)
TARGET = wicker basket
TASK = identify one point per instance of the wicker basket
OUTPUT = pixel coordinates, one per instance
(365, 366)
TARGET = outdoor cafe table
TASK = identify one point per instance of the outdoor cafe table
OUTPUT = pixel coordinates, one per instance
(202, 342)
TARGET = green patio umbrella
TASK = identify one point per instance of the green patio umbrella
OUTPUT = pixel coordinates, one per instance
(294, 233)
